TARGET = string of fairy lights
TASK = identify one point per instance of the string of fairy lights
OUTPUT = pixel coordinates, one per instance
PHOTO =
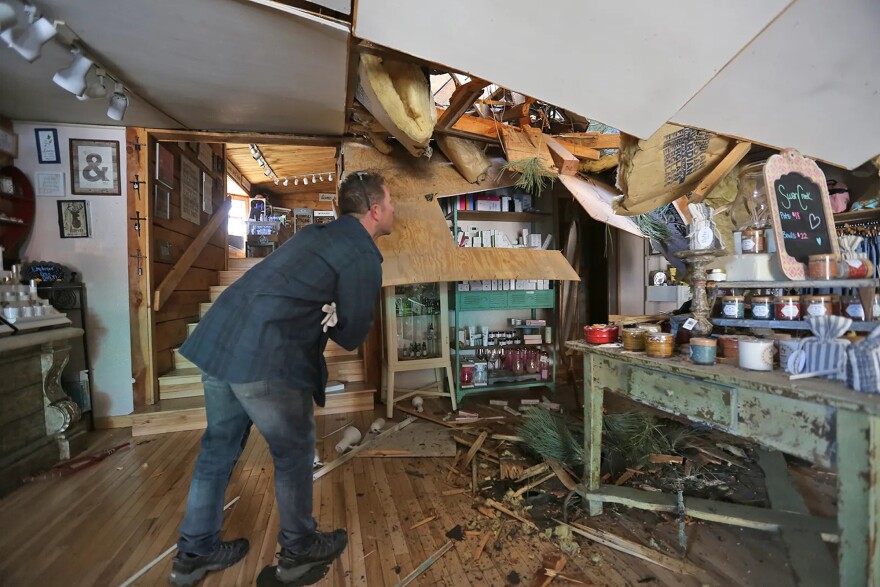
(285, 180)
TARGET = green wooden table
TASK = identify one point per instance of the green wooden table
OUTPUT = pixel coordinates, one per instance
(815, 419)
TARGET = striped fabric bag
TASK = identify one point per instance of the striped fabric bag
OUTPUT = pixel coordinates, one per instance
(825, 350)
(863, 365)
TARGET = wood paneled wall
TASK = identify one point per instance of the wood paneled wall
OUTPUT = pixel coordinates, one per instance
(305, 200)
(170, 239)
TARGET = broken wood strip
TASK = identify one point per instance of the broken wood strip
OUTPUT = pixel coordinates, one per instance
(494, 504)
(563, 475)
(423, 416)
(487, 512)
(461, 101)
(625, 477)
(517, 111)
(384, 452)
(473, 127)
(343, 427)
(454, 471)
(450, 492)
(474, 448)
(565, 161)
(454, 468)
(718, 455)
(507, 437)
(597, 140)
(424, 566)
(533, 471)
(724, 167)
(473, 533)
(423, 522)
(555, 564)
(474, 477)
(635, 549)
(354, 451)
(482, 449)
(578, 150)
(533, 484)
(665, 459)
(478, 552)
(715, 511)
(571, 579)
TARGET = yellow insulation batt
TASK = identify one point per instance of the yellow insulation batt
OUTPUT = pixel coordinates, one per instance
(467, 156)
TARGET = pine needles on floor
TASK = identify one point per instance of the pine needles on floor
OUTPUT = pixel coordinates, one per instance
(550, 436)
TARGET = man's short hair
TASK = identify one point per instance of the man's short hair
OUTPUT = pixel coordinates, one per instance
(359, 192)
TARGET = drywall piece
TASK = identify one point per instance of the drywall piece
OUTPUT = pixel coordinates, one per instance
(596, 198)
(810, 82)
(650, 57)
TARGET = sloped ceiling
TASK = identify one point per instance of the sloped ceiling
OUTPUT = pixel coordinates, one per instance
(207, 64)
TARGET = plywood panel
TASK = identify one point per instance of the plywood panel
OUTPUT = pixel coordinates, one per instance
(421, 249)
(821, 99)
(667, 53)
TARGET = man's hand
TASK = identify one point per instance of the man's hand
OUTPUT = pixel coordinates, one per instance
(329, 320)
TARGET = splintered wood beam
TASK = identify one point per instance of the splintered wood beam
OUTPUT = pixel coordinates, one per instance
(517, 112)
(472, 127)
(579, 150)
(721, 170)
(474, 448)
(553, 563)
(462, 99)
(596, 140)
(526, 143)
(562, 157)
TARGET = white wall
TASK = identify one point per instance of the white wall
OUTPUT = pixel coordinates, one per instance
(100, 260)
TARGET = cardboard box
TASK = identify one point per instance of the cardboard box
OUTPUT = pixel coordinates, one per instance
(535, 241)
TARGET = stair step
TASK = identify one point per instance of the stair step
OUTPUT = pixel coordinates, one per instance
(180, 383)
(334, 350)
(216, 290)
(176, 415)
(203, 308)
(190, 327)
(243, 264)
(181, 362)
(229, 277)
(345, 368)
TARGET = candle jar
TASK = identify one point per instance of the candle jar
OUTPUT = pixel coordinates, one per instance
(517, 364)
(466, 374)
(852, 308)
(817, 306)
(703, 350)
(855, 269)
(753, 241)
(531, 362)
(762, 308)
(822, 266)
(633, 339)
(733, 307)
(659, 344)
(788, 308)
(730, 347)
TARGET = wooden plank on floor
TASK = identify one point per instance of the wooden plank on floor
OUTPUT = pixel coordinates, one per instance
(810, 559)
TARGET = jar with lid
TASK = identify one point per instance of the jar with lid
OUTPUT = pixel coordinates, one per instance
(717, 275)
(788, 308)
(851, 307)
(762, 307)
(466, 375)
(733, 307)
(633, 339)
(753, 241)
(822, 266)
(750, 208)
(816, 306)
(659, 344)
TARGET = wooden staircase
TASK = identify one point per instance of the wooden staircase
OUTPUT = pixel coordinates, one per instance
(182, 402)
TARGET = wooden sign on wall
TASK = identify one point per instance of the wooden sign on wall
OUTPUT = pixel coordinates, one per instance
(190, 191)
(803, 222)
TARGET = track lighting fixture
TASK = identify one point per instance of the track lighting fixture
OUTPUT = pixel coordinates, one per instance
(286, 182)
(277, 181)
(73, 77)
(29, 42)
(96, 89)
(305, 181)
(261, 162)
(268, 172)
(118, 102)
(295, 181)
(330, 177)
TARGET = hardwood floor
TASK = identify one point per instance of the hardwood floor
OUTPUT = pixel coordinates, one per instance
(101, 525)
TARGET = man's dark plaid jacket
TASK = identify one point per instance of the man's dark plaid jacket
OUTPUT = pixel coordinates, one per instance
(267, 325)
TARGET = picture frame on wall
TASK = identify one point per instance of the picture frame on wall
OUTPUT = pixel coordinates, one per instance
(49, 184)
(162, 202)
(73, 218)
(94, 168)
(164, 165)
(47, 145)
(207, 193)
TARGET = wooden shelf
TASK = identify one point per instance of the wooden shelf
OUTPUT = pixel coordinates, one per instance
(805, 284)
(8, 196)
(499, 216)
(786, 324)
(12, 222)
(857, 216)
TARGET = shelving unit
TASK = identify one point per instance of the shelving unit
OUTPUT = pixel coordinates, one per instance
(17, 202)
(536, 301)
(857, 326)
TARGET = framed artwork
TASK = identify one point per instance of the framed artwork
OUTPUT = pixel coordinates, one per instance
(47, 145)
(206, 155)
(73, 218)
(162, 202)
(190, 191)
(207, 193)
(94, 168)
(50, 184)
(164, 165)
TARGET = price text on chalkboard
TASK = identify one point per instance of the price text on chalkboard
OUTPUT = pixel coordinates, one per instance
(801, 216)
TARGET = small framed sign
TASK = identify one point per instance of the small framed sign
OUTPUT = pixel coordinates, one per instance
(164, 165)
(162, 202)
(47, 145)
(50, 184)
(94, 168)
(73, 218)
(803, 222)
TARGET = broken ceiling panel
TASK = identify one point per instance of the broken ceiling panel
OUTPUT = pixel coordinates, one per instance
(641, 61)
(596, 199)
(811, 81)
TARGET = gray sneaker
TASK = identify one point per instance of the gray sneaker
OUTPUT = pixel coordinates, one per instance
(188, 569)
(299, 568)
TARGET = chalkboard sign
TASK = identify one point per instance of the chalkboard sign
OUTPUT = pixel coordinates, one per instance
(803, 222)
(44, 272)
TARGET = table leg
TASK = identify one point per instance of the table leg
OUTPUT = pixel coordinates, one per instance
(593, 398)
(858, 511)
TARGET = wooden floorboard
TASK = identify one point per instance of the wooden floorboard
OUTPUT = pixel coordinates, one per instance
(100, 526)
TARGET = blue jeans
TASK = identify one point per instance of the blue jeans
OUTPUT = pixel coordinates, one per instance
(284, 416)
